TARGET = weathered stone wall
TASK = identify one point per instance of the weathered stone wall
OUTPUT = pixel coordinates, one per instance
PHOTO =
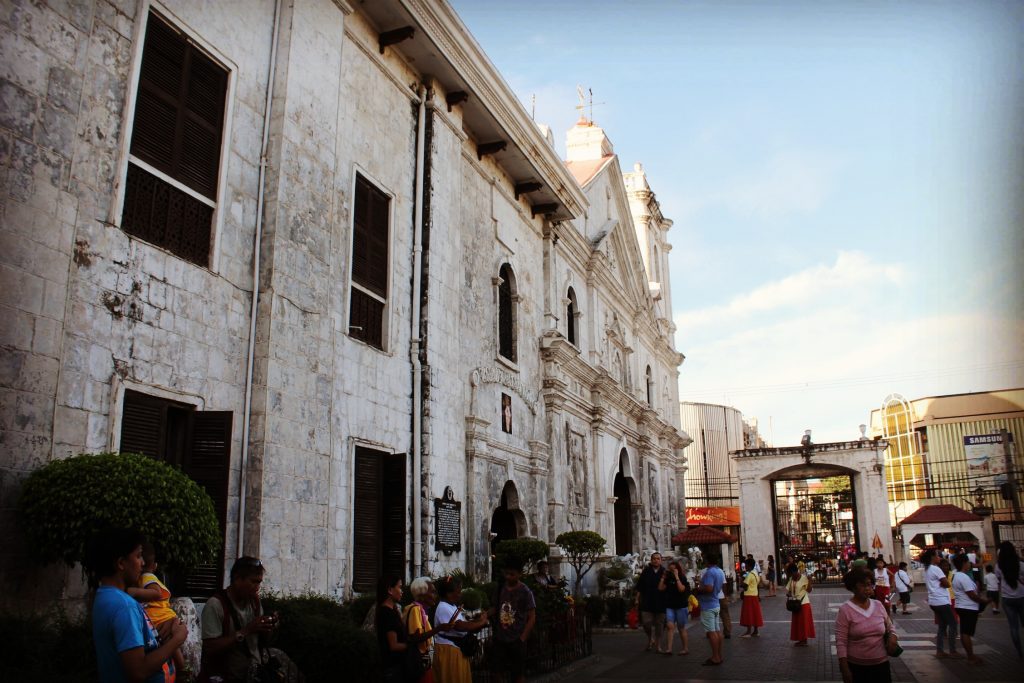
(89, 310)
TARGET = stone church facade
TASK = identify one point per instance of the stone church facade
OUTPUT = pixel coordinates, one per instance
(445, 311)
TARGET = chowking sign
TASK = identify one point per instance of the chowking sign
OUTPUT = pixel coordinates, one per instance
(719, 516)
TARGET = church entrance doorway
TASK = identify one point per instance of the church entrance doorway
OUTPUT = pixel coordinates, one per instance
(623, 510)
(507, 521)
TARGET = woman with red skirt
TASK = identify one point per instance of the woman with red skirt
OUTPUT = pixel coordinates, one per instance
(751, 614)
(882, 583)
(797, 588)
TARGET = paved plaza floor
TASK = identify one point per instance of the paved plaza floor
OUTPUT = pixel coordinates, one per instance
(619, 656)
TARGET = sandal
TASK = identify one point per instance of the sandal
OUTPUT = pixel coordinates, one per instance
(711, 662)
(684, 652)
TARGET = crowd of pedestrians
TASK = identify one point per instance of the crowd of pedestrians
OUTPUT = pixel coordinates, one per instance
(414, 651)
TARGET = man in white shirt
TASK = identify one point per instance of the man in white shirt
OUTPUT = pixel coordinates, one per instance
(968, 604)
(938, 601)
(903, 586)
(992, 587)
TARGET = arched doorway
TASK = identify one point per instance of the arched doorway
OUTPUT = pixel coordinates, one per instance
(623, 508)
(507, 521)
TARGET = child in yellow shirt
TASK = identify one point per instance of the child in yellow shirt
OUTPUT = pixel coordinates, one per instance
(157, 600)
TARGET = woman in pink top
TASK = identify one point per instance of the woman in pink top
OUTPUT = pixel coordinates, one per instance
(861, 628)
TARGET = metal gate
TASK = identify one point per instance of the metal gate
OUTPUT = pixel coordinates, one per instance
(816, 523)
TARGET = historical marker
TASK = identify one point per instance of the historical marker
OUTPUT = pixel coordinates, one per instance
(447, 523)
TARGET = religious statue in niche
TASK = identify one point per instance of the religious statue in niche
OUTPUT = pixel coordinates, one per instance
(506, 413)
(575, 449)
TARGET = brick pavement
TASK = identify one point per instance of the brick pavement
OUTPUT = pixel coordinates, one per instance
(619, 656)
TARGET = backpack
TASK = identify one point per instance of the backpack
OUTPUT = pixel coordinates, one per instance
(231, 622)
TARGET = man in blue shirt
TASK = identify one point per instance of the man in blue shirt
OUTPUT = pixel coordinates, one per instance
(707, 591)
(127, 645)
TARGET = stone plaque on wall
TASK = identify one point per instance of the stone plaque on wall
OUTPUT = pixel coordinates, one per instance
(447, 523)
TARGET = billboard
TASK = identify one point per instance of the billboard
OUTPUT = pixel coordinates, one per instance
(986, 462)
(718, 516)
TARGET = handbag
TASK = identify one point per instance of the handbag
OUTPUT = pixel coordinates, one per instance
(468, 644)
(892, 651)
(416, 662)
(794, 605)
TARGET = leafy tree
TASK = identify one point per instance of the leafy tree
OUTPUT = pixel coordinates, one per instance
(581, 548)
(65, 502)
(522, 552)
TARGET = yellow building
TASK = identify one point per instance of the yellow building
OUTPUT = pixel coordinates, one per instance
(947, 450)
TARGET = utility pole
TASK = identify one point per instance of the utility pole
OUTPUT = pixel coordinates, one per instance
(1011, 474)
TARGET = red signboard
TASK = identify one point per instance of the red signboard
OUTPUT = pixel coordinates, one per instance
(724, 516)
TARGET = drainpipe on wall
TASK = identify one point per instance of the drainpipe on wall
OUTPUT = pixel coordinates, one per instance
(257, 246)
(414, 342)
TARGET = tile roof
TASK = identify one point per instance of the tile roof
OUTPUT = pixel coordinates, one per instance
(702, 535)
(585, 171)
(934, 514)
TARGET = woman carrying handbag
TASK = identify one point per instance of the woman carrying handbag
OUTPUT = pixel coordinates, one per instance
(799, 603)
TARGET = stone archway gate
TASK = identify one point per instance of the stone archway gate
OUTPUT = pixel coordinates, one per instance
(757, 469)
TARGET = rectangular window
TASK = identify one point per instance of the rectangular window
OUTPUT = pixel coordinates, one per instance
(369, 295)
(379, 517)
(174, 157)
(197, 442)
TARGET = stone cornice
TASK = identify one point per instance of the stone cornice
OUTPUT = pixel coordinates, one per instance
(458, 47)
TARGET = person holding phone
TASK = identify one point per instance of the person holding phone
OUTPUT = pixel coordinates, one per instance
(677, 596)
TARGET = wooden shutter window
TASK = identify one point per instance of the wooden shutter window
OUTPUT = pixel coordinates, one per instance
(179, 114)
(380, 522)
(369, 263)
(395, 523)
(208, 463)
(177, 131)
(199, 442)
(142, 424)
(366, 515)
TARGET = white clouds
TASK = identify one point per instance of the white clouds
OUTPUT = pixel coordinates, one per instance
(852, 274)
(820, 348)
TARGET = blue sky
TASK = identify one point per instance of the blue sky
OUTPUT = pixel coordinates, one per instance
(846, 181)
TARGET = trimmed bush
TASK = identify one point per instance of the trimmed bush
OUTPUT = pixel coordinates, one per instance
(319, 636)
(65, 502)
(581, 548)
(521, 551)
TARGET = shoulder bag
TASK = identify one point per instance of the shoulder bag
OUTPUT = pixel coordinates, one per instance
(891, 650)
(416, 661)
(793, 603)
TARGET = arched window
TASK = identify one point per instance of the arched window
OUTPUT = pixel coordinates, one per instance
(650, 386)
(571, 312)
(507, 313)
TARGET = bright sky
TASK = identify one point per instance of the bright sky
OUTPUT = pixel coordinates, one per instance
(846, 181)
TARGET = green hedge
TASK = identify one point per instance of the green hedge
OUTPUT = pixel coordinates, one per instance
(65, 502)
(321, 637)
